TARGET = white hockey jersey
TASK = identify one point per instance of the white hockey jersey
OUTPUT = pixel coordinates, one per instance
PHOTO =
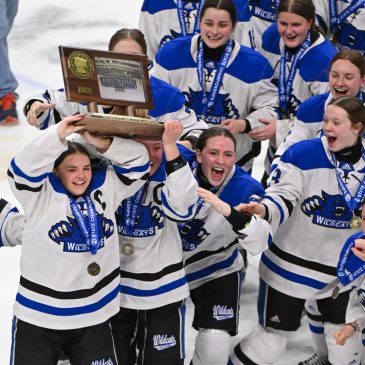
(152, 274)
(211, 245)
(159, 22)
(246, 92)
(311, 77)
(11, 225)
(350, 32)
(56, 290)
(310, 220)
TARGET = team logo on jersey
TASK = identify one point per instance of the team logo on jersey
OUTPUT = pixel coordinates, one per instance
(148, 220)
(103, 362)
(222, 312)
(162, 342)
(264, 9)
(69, 234)
(328, 210)
(192, 234)
(222, 108)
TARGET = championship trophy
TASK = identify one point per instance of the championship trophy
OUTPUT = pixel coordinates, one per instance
(115, 79)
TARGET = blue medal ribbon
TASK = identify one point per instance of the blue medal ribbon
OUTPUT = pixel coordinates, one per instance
(132, 207)
(352, 202)
(182, 21)
(285, 87)
(208, 101)
(349, 266)
(336, 19)
(89, 224)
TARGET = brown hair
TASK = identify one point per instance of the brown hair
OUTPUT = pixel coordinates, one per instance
(227, 5)
(213, 132)
(72, 148)
(128, 33)
(355, 57)
(354, 108)
(304, 8)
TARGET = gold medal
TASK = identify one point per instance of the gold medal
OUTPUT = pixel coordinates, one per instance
(355, 222)
(335, 292)
(128, 249)
(93, 269)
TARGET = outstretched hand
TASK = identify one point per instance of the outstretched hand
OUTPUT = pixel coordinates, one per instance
(343, 334)
(265, 132)
(219, 205)
(67, 126)
(252, 208)
(234, 125)
(36, 109)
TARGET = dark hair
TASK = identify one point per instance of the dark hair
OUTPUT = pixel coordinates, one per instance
(227, 5)
(128, 33)
(354, 108)
(72, 148)
(213, 132)
(355, 57)
(304, 8)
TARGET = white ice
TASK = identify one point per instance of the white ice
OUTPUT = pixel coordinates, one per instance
(40, 27)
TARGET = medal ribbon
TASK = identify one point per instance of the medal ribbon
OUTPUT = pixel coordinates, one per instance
(182, 21)
(337, 19)
(216, 84)
(352, 202)
(285, 87)
(132, 207)
(89, 225)
(349, 262)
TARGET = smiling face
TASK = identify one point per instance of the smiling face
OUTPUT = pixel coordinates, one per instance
(155, 152)
(75, 173)
(217, 159)
(216, 27)
(293, 28)
(339, 130)
(345, 79)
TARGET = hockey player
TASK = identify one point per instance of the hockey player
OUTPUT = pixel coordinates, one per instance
(300, 57)
(169, 103)
(211, 241)
(346, 77)
(316, 189)
(343, 22)
(208, 69)
(162, 21)
(69, 286)
(153, 282)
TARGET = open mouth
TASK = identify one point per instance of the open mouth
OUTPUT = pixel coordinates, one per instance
(331, 139)
(79, 183)
(340, 91)
(214, 38)
(217, 172)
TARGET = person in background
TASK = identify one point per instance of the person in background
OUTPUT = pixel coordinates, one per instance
(300, 57)
(346, 77)
(162, 21)
(207, 68)
(8, 83)
(312, 203)
(343, 22)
